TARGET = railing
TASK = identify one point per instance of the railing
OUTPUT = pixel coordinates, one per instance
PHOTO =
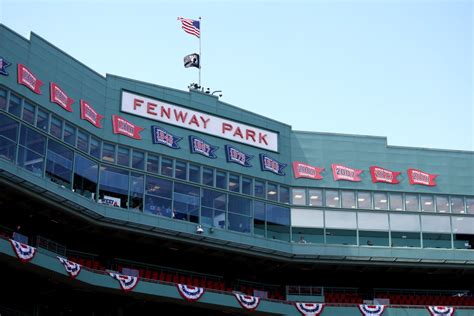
(304, 290)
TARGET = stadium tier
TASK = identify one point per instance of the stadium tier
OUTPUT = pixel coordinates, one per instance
(120, 197)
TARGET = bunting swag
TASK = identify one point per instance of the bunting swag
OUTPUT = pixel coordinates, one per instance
(309, 309)
(127, 282)
(190, 293)
(440, 310)
(71, 267)
(371, 310)
(247, 301)
(24, 252)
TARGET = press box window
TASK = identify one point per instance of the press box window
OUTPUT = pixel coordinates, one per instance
(42, 120)
(3, 99)
(272, 193)
(348, 199)
(396, 201)
(427, 204)
(259, 189)
(208, 176)
(332, 198)
(56, 126)
(166, 167)
(123, 156)
(138, 159)
(108, 152)
(221, 179)
(442, 205)
(152, 164)
(95, 147)
(28, 113)
(315, 197)
(284, 195)
(298, 196)
(457, 205)
(247, 186)
(180, 170)
(82, 141)
(70, 134)
(234, 182)
(364, 200)
(194, 173)
(14, 106)
(380, 201)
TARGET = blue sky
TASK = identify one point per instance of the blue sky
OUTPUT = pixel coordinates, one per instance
(401, 69)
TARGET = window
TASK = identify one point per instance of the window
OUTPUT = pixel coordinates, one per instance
(108, 152)
(442, 205)
(194, 173)
(208, 176)
(427, 204)
(159, 187)
(152, 164)
(247, 186)
(180, 170)
(3, 99)
(59, 164)
(240, 205)
(56, 127)
(364, 200)
(31, 151)
(457, 205)
(436, 231)
(213, 206)
(332, 198)
(221, 179)
(8, 137)
(470, 205)
(348, 199)
(95, 148)
(85, 177)
(166, 167)
(136, 191)
(284, 195)
(278, 222)
(138, 159)
(462, 232)
(259, 218)
(341, 227)
(373, 229)
(42, 120)
(28, 113)
(158, 196)
(259, 189)
(113, 189)
(405, 230)
(123, 156)
(186, 202)
(380, 201)
(234, 182)
(272, 192)
(396, 201)
(82, 141)
(411, 202)
(239, 223)
(315, 197)
(298, 196)
(70, 134)
(14, 105)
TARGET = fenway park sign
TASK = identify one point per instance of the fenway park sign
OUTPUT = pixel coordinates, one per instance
(198, 121)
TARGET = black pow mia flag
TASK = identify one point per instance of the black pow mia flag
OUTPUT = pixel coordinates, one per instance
(191, 60)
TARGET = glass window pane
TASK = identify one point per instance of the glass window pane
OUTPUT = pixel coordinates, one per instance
(42, 120)
(239, 223)
(234, 182)
(259, 190)
(259, 218)
(95, 148)
(113, 189)
(372, 221)
(123, 156)
(298, 196)
(240, 205)
(278, 222)
(186, 202)
(166, 167)
(436, 240)
(427, 204)
(56, 127)
(315, 197)
(348, 199)
(404, 222)
(208, 176)
(8, 137)
(246, 185)
(364, 200)
(457, 205)
(332, 198)
(138, 159)
(435, 224)
(152, 164)
(340, 219)
(85, 177)
(411, 202)
(158, 206)
(136, 191)
(406, 239)
(70, 134)
(3, 99)
(108, 152)
(14, 105)
(221, 179)
(396, 201)
(180, 170)
(32, 150)
(373, 238)
(213, 217)
(463, 225)
(32, 140)
(307, 218)
(442, 204)
(28, 113)
(380, 201)
(341, 237)
(159, 187)
(470, 205)
(272, 193)
(194, 173)
(284, 195)
(59, 164)
(82, 141)
(214, 199)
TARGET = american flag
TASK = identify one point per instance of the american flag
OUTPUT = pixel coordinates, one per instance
(190, 26)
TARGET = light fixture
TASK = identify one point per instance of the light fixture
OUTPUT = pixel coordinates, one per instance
(361, 199)
(314, 197)
(336, 198)
(428, 203)
(383, 201)
(298, 196)
(272, 192)
(199, 229)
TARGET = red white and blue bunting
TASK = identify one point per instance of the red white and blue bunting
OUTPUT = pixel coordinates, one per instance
(371, 310)
(247, 301)
(72, 268)
(127, 282)
(24, 252)
(440, 310)
(310, 309)
(190, 293)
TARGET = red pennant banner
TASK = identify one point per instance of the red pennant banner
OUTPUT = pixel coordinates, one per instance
(310, 309)
(383, 175)
(371, 310)
(247, 301)
(419, 177)
(341, 172)
(302, 170)
(72, 268)
(28, 79)
(190, 293)
(441, 310)
(24, 252)
(58, 96)
(124, 127)
(89, 114)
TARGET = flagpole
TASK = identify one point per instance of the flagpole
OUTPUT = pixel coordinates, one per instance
(200, 56)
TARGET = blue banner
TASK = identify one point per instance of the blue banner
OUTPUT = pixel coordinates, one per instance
(236, 156)
(3, 66)
(200, 146)
(269, 164)
(163, 137)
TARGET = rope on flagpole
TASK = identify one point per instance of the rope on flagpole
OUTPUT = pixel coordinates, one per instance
(200, 56)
